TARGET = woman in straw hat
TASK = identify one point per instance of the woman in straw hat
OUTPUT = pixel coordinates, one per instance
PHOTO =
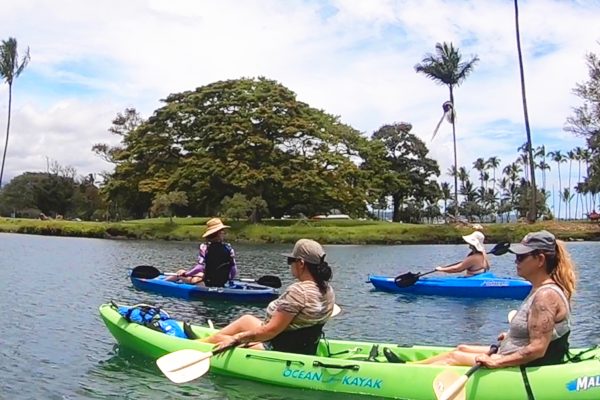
(294, 321)
(476, 261)
(216, 259)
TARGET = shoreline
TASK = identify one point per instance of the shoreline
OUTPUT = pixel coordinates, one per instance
(288, 231)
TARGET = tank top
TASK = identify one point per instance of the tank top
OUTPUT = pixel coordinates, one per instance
(518, 334)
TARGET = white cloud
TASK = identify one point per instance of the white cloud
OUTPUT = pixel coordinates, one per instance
(352, 58)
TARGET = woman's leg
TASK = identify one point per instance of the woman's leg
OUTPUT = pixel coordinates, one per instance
(470, 348)
(242, 324)
(175, 278)
(455, 357)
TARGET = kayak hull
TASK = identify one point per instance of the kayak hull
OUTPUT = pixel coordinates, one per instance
(341, 366)
(485, 285)
(235, 291)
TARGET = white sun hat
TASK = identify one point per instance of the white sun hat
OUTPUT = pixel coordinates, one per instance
(476, 239)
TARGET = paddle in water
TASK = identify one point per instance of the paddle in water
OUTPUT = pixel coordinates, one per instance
(450, 386)
(409, 278)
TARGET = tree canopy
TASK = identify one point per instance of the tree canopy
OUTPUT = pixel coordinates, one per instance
(247, 136)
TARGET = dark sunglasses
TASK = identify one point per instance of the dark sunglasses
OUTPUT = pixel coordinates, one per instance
(291, 260)
(520, 257)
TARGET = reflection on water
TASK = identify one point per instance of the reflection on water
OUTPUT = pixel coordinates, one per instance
(54, 345)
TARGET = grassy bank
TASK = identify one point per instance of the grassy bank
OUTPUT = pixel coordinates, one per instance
(288, 231)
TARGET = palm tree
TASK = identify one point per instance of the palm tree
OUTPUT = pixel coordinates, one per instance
(558, 158)
(533, 205)
(446, 67)
(493, 163)
(10, 68)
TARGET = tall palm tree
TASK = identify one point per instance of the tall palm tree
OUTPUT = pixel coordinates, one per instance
(10, 68)
(558, 158)
(533, 206)
(571, 157)
(446, 67)
(493, 163)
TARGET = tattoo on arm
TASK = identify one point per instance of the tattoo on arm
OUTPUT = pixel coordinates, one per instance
(545, 307)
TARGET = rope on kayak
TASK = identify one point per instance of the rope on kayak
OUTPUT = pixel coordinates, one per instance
(526, 383)
(578, 357)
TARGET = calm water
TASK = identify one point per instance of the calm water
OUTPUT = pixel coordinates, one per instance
(53, 344)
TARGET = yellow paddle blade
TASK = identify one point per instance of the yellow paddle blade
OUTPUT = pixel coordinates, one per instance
(184, 365)
(445, 380)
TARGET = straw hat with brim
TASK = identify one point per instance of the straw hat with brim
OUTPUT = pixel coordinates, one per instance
(476, 239)
(541, 241)
(308, 250)
(214, 225)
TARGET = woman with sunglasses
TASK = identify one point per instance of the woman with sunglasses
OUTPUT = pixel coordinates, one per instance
(539, 331)
(294, 321)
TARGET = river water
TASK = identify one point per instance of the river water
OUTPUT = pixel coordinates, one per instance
(53, 344)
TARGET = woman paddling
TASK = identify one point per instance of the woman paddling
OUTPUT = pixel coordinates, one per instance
(294, 321)
(539, 331)
(216, 259)
(476, 261)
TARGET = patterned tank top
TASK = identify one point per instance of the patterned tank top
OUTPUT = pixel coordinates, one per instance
(518, 334)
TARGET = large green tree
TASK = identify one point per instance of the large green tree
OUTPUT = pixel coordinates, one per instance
(10, 69)
(446, 67)
(247, 136)
(410, 176)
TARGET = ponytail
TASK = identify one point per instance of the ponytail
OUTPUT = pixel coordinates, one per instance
(561, 269)
(321, 273)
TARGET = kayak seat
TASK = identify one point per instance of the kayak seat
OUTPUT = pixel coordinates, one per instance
(391, 357)
(299, 341)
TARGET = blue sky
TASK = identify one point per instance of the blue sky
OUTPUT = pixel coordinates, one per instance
(355, 59)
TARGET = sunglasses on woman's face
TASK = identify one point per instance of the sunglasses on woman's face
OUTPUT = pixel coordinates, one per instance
(521, 257)
(291, 260)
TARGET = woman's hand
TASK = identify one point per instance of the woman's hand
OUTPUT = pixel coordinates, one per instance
(439, 268)
(502, 336)
(487, 361)
(227, 341)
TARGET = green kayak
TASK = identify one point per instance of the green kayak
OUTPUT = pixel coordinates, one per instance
(362, 368)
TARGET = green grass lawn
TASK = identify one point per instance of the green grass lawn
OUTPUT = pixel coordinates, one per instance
(288, 231)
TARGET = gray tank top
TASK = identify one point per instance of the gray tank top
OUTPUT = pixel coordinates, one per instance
(518, 334)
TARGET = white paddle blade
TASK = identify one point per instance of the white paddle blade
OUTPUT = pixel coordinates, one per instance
(336, 310)
(184, 365)
(511, 315)
(443, 381)
(453, 389)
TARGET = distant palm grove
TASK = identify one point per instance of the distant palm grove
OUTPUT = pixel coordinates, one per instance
(248, 149)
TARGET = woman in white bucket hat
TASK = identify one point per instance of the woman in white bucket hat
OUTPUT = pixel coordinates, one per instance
(476, 261)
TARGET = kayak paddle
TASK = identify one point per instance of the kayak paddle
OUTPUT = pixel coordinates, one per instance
(267, 280)
(186, 365)
(150, 272)
(449, 386)
(410, 278)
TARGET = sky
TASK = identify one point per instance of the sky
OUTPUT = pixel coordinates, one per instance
(352, 58)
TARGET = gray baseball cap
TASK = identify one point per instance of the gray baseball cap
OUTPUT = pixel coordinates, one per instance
(542, 241)
(308, 250)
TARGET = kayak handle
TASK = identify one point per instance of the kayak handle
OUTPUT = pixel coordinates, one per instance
(353, 367)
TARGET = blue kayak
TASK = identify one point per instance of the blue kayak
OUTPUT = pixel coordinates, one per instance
(486, 285)
(237, 291)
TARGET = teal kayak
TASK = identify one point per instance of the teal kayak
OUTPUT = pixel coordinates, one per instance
(363, 368)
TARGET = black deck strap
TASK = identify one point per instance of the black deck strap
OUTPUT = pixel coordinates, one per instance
(353, 367)
(526, 383)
